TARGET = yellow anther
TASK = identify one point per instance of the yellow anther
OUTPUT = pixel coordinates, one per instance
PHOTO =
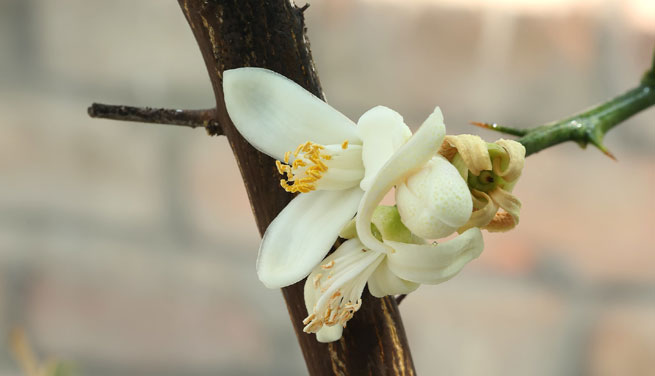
(282, 169)
(344, 145)
(298, 150)
(329, 265)
(308, 165)
(298, 163)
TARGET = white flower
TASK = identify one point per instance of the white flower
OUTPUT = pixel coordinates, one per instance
(333, 290)
(320, 153)
(437, 201)
(341, 170)
(432, 197)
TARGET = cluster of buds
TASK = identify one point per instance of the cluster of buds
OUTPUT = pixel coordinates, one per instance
(426, 198)
(491, 171)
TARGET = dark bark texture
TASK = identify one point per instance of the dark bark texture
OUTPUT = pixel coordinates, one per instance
(271, 34)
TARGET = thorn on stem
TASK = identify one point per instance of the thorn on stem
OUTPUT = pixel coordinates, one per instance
(596, 139)
(501, 129)
(609, 154)
(482, 125)
(605, 151)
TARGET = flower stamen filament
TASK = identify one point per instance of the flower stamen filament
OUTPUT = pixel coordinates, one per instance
(307, 168)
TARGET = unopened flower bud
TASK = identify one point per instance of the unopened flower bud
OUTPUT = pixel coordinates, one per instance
(434, 201)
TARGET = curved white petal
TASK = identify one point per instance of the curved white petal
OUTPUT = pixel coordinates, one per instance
(407, 160)
(333, 290)
(382, 131)
(276, 115)
(383, 282)
(329, 333)
(516, 155)
(435, 201)
(345, 168)
(472, 149)
(486, 210)
(432, 264)
(507, 201)
(302, 234)
(312, 292)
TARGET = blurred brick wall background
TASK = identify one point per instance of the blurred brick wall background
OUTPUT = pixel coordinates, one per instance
(130, 249)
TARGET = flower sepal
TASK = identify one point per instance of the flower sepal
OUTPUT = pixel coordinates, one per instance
(385, 224)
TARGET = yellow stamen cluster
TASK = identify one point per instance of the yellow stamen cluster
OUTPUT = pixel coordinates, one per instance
(311, 158)
(337, 311)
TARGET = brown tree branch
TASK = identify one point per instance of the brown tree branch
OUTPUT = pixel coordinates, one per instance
(186, 118)
(271, 34)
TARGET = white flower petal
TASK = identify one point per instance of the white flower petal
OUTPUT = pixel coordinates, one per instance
(345, 168)
(435, 201)
(516, 155)
(383, 282)
(382, 131)
(487, 209)
(432, 264)
(507, 201)
(329, 334)
(276, 115)
(407, 160)
(312, 293)
(507, 220)
(335, 286)
(472, 149)
(350, 273)
(302, 234)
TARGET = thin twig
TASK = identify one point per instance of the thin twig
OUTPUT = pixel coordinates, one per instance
(186, 118)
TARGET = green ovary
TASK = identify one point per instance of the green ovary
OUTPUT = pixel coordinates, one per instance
(486, 182)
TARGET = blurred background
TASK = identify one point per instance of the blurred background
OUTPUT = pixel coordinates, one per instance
(129, 249)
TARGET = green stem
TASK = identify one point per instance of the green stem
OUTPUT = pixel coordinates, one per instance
(591, 125)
